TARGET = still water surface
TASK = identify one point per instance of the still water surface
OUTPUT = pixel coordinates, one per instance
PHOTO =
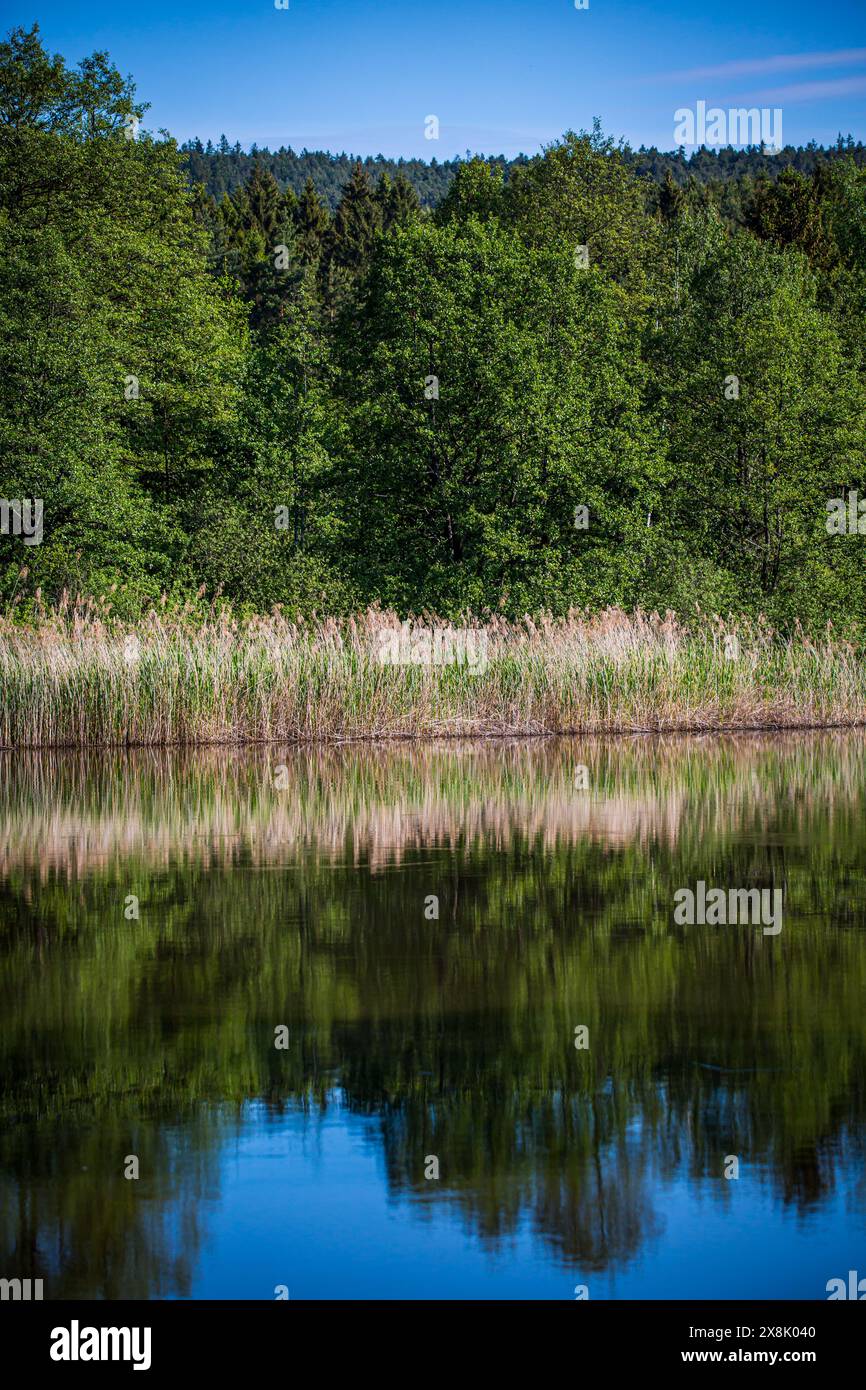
(301, 899)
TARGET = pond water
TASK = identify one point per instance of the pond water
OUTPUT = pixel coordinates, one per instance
(324, 1004)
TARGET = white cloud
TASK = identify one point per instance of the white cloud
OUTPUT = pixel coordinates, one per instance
(778, 62)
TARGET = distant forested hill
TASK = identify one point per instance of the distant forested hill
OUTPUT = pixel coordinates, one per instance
(225, 168)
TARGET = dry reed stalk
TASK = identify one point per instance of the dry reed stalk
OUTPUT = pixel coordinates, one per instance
(77, 677)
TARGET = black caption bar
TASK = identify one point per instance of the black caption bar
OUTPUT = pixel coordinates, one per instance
(156, 1339)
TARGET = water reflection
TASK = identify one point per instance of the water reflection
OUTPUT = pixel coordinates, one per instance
(299, 900)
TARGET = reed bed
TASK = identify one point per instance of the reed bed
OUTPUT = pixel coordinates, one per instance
(76, 677)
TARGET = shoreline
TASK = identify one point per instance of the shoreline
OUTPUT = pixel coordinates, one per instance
(693, 731)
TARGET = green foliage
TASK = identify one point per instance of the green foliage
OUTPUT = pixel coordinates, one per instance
(312, 222)
(581, 192)
(476, 192)
(230, 383)
(358, 219)
(265, 531)
(119, 354)
(494, 388)
(765, 420)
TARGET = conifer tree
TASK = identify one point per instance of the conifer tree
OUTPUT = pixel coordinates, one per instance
(357, 221)
(397, 200)
(671, 198)
(264, 202)
(312, 222)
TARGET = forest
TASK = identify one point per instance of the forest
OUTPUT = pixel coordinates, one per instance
(586, 378)
(223, 168)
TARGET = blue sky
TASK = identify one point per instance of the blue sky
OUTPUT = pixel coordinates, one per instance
(501, 76)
